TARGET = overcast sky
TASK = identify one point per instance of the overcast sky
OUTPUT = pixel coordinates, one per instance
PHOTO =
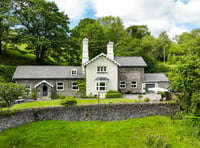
(173, 16)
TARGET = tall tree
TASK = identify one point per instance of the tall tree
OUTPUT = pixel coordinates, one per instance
(42, 27)
(4, 21)
(89, 28)
(138, 31)
(186, 77)
(113, 28)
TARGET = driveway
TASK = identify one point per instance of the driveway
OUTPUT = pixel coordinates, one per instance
(152, 97)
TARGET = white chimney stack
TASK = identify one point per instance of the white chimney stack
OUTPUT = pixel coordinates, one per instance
(110, 53)
(85, 57)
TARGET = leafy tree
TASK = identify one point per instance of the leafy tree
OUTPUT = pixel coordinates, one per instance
(137, 31)
(160, 50)
(10, 92)
(195, 106)
(6, 73)
(42, 27)
(5, 21)
(89, 28)
(128, 47)
(113, 28)
(185, 78)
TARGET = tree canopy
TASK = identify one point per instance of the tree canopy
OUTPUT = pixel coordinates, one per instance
(42, 27)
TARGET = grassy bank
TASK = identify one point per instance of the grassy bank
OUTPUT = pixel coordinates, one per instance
(148, 132)
(50, 103)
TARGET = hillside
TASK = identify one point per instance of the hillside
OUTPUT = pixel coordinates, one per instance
(11, 58)
(149, 132)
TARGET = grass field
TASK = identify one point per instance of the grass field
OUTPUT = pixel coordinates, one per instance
(148, 132)
(14, 58)
(49, 103)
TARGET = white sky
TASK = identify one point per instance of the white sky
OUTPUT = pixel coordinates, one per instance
(173, 16)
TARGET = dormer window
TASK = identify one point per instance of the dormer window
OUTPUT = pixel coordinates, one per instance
(74, 72)
(101, 69)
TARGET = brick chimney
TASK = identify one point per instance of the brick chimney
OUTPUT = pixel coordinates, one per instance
(110, 53)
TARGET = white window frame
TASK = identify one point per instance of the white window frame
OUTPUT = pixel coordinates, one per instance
(98, 86)
(75, 85)
(74, 72)
(60, 87)
(122, 86)
(134, 85)
(101, 69)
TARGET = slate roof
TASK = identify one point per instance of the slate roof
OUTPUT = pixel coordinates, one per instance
(155, 77)
(131, 61)
(47, 72)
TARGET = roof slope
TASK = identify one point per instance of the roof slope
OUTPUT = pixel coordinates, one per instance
(155, 77)
(47, 72)
(131, 61)
(100, 55)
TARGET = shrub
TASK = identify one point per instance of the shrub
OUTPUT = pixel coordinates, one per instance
(33, 95)
(146, 99)
(113, 94)
(139, 96)
(127, 92)
(57, 97)
(69, 101)
(2, 103)
(195, 107)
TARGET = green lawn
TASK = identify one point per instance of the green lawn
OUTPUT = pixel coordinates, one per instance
(49, 103)
(148, 132)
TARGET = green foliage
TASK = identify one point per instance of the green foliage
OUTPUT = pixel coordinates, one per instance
(33, 95)
(9, 92)
(195, 106)
(57, 97)
(5, 22)
(113, 28)
(148, 132)
(92, 30)
(68, 101)
(113, 94)
(6, 73)
(138, 31)
(146, 99)
(2, 103)
(185, 78)
(42, 27)
(82, 86)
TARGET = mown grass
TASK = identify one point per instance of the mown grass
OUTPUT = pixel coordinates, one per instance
(49, 103)
(148, 132)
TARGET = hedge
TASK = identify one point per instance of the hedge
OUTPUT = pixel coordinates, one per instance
(113, 94)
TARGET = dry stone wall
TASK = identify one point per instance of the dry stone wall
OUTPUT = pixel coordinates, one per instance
(104, 112)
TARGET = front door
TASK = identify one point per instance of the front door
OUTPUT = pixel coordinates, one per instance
(45, 90)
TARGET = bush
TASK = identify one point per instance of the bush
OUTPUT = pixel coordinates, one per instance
(57, 97)
(113, 94)
(2, 103)
(69, 101)
(195, 107)
(33, 95)
(146, 99)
